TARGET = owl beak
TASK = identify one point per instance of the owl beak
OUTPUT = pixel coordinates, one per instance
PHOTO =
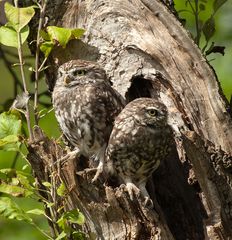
(67, 80)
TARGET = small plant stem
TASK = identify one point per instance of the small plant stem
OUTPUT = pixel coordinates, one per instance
(20, 54)
(42, 64)
(27, 115)
(37, 68)
(196, 13)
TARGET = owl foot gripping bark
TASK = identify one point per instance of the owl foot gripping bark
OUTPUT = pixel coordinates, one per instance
(132, 190)
(85, 106)
(140, 140)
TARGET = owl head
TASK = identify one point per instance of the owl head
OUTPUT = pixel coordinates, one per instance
(149, 112)
(79, 72)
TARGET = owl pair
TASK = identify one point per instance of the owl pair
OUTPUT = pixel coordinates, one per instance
(130, 140)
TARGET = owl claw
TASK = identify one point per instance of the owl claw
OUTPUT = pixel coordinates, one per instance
(68, 156)
(147, 202)
(132, 189)
(99, 171)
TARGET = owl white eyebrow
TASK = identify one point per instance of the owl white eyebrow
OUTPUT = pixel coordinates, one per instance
(152, 108)
(78, 69)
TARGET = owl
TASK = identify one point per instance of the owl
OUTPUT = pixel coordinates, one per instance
(85, 107)
(140, 140)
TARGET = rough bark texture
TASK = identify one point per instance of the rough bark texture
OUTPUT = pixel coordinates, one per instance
(146, 52)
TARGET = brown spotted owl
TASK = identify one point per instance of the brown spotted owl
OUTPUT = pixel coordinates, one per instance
(140, 140)
(85, 107)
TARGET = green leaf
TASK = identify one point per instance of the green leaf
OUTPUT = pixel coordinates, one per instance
(47, 184)
(209, 28)
(9, 143)
(58, 36)
(49, 205)
(45, 35)
(61, 222)
(10, 128)
(61, 235)
(79, 236)
(61, 190)
(8, 172)
(8, 36)
(36, 211)
(15, 191)
(61, 35)
(46, 48)
(15, 183)
(202, 7)
(74, 216)
(11, 210)
(215, 49)
(77, 33)
(18, 17)
(25, 180)
(25, 167)
(217, 4)
(10, 124)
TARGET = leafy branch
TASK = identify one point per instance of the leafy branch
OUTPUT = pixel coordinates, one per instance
(16, 184)
(207, 27)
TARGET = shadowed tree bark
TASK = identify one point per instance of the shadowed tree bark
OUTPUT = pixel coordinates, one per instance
(147, 53)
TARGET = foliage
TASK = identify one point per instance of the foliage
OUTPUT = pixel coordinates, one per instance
(214, 18)
(18, 18)
(11, 210)
(17, 184)
(10, 129)
(205, 27)
(56, 35)
(69, 217)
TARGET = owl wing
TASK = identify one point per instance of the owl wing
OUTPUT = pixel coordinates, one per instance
(112, 101)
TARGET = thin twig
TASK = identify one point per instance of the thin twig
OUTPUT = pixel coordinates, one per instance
(196, 13)
(20, 55)
(27, 115)
(42, 64)
(37, 68)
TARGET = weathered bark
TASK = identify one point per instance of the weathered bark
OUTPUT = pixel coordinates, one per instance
(147, 53)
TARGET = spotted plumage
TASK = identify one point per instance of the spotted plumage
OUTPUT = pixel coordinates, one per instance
(85, 106)
(139, 141)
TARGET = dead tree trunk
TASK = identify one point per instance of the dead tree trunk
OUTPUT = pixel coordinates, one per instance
(147, 53)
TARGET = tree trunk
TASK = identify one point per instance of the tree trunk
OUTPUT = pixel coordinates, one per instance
(147, 53)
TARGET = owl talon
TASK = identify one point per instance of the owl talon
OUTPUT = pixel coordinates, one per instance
(69, 156)
(99, 171)
(132, 189)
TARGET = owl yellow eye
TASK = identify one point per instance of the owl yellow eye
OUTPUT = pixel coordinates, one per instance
(79, 72)
(152, 112)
